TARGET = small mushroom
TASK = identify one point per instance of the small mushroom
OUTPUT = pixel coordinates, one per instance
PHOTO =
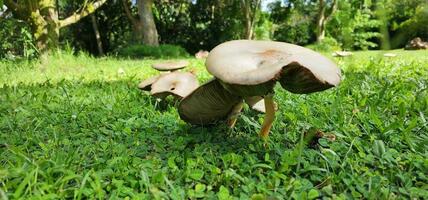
(208, 104)
(251, 68)
(201, 54)
(179, 84)
(389, 54)
(146, 85)
(121, 71)
(170, 65)
(342, 53)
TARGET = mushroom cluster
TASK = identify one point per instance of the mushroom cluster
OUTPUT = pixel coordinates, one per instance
(248, 70)
(170, 81)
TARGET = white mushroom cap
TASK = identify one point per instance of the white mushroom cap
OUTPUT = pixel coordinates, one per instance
(179, 84)
(246, 62)
(147, 84)
(170, 65)
(389, 54)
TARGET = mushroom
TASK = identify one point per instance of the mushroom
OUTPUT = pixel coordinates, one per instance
(342, 53)
(179, 84)
(146, 85)
(201, 54)
(257, 103)
(389, 54)
(208, 104)
(170, 65)
(251, 68)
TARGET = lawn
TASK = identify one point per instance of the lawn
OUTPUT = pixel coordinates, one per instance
(73, 127)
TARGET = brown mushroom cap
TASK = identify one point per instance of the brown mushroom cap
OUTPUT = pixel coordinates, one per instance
(251, 68)
(179, 84)
(207, 104)
(170, 65)
(146, 85)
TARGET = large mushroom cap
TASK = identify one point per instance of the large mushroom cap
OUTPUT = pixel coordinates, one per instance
(242, 63)
(170, 65)
(207, 104)
(147, 84)
(179, 84)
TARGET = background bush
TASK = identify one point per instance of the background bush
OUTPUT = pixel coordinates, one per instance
(144, 51)
(15, 39)
(355, 26)
(203, 24)
(326, 45)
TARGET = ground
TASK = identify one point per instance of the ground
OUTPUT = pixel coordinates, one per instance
(75, 127)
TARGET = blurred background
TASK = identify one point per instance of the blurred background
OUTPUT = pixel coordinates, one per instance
(125, 27)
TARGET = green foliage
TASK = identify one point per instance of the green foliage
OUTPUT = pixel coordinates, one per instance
(405, 20)
(299, 30)
(416, 25)
(144, 51)
(263, 27)
(198, 25)
(71, 127)
(203, 24)
(327, 45)
(294, 21)
(16, 40)
(355, 26)
(115, 30)
(364, 29)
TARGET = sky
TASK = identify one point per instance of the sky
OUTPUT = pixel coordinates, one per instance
(265, 3)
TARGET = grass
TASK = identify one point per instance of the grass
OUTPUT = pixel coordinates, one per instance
(72, 127)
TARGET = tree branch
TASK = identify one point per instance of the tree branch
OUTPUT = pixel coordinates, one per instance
(255, 10)
(128, 12)
(85, 12)
(333, 9)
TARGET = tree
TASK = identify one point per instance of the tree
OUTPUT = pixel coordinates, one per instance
(294, 21)
(97, 35)
(403, 20)
(115, 30)
(201, 24)
(42, 16)
(250, 9)
(324, 13)
(355, 25)
(144, 26)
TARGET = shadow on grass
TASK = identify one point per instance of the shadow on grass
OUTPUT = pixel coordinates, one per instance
(81, 113)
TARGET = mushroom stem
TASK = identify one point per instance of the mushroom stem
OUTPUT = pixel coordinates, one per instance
(233, 116)
(269, 116)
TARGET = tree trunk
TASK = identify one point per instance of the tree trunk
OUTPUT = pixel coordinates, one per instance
(321, 21)
(248, 24)
(323, 17)
(150, 34)
(250, 8)
(138, 32)
(45, 27)
(137, 26)
(42, 16)
(97, 35)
